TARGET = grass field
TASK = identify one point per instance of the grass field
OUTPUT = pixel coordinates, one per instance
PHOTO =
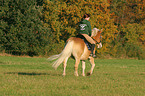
(22, 76)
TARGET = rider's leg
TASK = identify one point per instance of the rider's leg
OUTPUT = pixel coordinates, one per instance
(89, 39)
(92, 50)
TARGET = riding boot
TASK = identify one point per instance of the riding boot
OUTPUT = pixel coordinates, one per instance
(92, 51)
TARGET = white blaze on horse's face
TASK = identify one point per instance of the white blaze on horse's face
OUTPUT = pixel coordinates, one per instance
(99, 45)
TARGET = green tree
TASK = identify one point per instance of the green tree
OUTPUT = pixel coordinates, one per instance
(129, 17)
(21, 27)
(130, 44)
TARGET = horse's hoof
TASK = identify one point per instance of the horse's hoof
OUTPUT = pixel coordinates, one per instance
(76, 75)
(83, 74)
(63, 74)
(88, 74)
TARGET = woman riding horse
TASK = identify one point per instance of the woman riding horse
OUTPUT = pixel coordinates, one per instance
(77, 48)
(85, 30)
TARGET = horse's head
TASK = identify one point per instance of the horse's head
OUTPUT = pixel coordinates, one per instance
(96, 35)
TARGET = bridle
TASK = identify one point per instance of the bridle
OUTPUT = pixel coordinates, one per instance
(97, 41)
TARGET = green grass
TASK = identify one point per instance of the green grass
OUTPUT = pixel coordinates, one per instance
(21, 76)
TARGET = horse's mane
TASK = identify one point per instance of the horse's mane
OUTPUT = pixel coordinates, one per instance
(94, 32)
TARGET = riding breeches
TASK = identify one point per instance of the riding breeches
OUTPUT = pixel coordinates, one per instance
(89, 39)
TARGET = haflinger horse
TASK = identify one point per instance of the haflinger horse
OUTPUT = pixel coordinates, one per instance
(77, 48)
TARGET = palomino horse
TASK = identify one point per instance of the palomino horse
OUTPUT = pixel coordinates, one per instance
(76, 47)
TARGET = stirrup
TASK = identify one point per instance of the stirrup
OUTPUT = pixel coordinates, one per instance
(93, 55)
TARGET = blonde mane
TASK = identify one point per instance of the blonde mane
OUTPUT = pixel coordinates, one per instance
(94, 32)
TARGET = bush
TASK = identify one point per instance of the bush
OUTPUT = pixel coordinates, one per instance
(130, 41)
(22, 29)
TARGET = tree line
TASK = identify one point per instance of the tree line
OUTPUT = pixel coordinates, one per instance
(41, 27)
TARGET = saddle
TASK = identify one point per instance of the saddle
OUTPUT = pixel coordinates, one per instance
(88, 44)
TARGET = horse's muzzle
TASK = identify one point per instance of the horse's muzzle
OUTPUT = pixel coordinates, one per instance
(99, 45)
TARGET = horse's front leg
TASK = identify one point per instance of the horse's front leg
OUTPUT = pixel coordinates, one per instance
(76, 67)
(83, 68)
(93, 65)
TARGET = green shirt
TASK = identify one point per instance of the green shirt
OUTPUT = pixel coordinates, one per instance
(85, 27)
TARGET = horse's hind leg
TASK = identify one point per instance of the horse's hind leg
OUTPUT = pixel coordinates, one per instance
(83, 68)
(76, 66)
(93, 65)
(64, 66)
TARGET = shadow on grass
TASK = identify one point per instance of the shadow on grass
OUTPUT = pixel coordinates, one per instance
(2, 62)
(33, 73)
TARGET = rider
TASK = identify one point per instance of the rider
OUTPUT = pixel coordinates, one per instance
(85, 30)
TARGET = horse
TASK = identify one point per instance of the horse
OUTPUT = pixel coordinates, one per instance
(77, 48)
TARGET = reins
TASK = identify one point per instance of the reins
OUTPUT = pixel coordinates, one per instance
(97, 41)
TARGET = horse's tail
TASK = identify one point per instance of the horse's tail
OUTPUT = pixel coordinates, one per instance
(65, 53)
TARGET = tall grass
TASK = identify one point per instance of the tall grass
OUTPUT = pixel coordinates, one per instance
(21, 76)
